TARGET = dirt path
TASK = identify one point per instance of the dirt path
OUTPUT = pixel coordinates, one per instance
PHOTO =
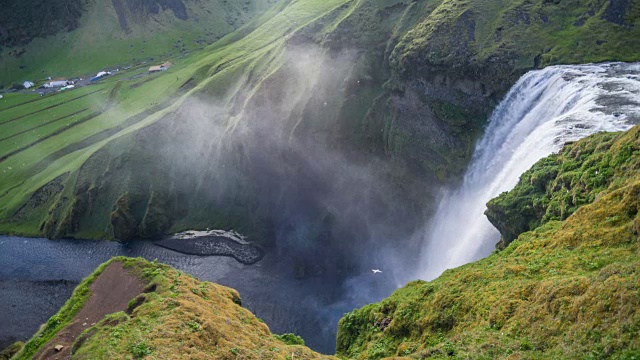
(110, 293)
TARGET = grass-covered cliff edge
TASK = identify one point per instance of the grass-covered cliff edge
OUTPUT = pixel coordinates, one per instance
(163, 314)
(565, 288)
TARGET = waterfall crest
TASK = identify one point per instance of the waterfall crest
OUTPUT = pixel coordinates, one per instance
(543, 111)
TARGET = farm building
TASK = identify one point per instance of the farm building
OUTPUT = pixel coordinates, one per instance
(58, 83)
(162, 67)
(27, 84)
(100, 75)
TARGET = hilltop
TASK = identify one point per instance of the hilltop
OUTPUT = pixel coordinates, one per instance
(131, 308)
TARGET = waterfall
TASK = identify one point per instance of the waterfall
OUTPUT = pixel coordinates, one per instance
(543, 111)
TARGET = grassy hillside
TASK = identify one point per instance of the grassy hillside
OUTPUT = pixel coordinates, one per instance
(61, 38)
(565, 289)
(273, 129)
(175, 316)
(555, 188)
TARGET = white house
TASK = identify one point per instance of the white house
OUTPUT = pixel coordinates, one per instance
(28, 84)
(58, 83)
(162, 67)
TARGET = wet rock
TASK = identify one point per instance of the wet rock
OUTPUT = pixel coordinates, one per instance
(617, 11)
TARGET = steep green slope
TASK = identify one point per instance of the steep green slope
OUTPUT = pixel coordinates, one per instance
(566, 289)
(273, 129)
(66, 38)
(556, 187)
(175, 316)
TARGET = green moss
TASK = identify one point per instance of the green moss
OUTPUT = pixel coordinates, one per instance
(555, 187)
(179, 315)
(61, 319)
(557, 291)
(290, 339)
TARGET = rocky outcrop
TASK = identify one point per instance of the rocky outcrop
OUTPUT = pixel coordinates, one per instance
(556, 187)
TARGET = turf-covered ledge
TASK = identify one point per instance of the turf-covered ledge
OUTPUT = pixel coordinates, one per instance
(77, 300)
(174, 315)
(555, 187)
(567, 290)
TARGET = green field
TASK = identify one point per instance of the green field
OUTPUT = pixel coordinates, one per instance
(100, 41)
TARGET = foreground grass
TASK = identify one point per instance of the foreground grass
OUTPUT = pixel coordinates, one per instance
(567, 289)
(177, 317)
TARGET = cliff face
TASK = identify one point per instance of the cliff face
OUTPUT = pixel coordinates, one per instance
(556, 187)
(563, 289)
(316, 122)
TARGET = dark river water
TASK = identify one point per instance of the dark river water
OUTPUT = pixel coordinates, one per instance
(38, 275)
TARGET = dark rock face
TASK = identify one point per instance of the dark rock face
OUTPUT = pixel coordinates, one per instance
(617, 11)
(142, 8)
(22, 21)
(124, 224)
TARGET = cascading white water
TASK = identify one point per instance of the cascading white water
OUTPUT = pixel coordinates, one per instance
(543, 111)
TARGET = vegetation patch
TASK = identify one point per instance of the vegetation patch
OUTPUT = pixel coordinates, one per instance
(557, 186)
(181, 316)
(565, 289)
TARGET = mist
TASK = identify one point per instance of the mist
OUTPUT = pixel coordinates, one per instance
(272, 158)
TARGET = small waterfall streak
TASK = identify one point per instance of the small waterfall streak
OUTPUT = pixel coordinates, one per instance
(543, 111)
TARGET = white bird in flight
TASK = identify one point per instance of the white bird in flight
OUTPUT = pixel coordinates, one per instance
(376, 271)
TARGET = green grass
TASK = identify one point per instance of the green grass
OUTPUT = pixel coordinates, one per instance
(60, 320)
(181, 316)
(99, 41)
(556, 187)
(564, 290)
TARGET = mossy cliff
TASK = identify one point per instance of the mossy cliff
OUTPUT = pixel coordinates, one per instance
(274, 129)
(175, 316)
(557, 186)
(565, 288)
